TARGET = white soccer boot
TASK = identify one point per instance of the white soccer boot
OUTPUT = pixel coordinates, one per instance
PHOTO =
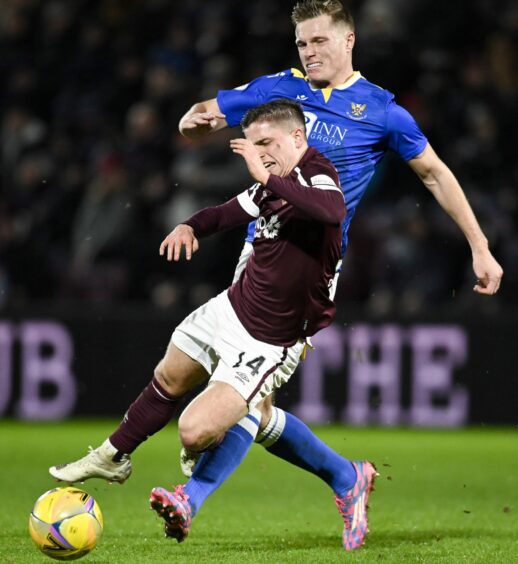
(98, 463)
(188, 461)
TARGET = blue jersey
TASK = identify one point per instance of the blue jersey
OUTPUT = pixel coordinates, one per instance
(353, 125)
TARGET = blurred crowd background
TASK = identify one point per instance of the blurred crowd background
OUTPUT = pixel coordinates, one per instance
(94, 172)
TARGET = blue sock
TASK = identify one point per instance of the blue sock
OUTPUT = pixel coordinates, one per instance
(289, 438)
(216, 465)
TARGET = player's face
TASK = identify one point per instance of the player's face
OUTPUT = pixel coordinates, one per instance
(325, 51)
(279, 145)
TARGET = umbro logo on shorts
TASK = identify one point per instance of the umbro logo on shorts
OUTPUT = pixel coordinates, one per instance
(242, 377)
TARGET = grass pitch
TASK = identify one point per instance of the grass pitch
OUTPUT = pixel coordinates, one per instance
(443, 496)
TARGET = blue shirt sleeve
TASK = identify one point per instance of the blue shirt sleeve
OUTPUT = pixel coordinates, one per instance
(235, 103)
(404, 135)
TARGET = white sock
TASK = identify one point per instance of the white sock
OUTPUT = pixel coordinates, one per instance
(271, 433)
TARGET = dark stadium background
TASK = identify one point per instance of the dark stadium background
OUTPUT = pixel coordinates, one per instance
(91, 92)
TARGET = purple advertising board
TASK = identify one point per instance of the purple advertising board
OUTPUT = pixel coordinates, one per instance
(399, 372)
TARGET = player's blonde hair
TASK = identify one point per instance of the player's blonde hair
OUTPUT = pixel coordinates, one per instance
(308, 9)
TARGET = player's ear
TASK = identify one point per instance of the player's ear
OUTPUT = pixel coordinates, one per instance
(299, 137)
(349, 40)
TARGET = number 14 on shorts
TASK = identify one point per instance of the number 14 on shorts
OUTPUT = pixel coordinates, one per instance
(254, 364)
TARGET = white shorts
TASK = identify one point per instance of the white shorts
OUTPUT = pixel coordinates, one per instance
(213, 336)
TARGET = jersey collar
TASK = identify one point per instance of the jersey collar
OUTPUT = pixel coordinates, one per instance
(326, 92)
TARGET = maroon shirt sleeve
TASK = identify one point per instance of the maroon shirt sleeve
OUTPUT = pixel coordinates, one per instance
(327, 206)
(218, 218)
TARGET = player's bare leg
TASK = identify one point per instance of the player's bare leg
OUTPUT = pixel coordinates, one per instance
(210, 415)
(189, 458)
(178, 373)
(175, 374)
(219, 416)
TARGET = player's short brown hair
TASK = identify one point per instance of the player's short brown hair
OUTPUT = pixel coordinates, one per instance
(308, 9)
(282, 110)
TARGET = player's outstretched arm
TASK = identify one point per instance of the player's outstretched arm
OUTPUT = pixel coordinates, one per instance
(203, 118)
(439, 179)
(181, 236)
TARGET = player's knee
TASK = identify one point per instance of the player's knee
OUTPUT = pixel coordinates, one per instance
(192, 439)
(194, 436)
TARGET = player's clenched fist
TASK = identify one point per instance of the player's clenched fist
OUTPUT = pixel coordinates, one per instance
(489, 273)
(181, 236)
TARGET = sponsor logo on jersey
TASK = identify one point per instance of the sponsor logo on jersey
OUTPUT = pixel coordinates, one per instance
(267, 229)
(356, 112)
(301, 97)
(323, 180)
(324, 131)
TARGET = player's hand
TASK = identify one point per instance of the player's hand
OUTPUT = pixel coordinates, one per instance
(488, 272)
(200, 123)
(181, 236)
(255, 165)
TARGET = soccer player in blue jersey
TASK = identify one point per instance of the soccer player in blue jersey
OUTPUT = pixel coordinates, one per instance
(351, 121)
(354, 123)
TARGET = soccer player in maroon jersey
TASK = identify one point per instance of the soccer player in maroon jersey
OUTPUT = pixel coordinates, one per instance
(249, 338)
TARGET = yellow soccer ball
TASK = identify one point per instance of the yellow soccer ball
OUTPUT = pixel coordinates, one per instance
(66, 523)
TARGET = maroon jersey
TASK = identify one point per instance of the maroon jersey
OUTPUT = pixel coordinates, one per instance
(283, 293)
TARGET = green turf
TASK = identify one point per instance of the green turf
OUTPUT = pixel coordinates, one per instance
(449, 496)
